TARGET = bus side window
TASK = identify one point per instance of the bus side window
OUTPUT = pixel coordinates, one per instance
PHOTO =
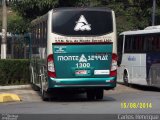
(158, 45)
(154, 43)
(140, 44)
(37, 40)
(32, 38)
(134, 44)
(145, 43)
(149, 42)
(43, 34)
(127, 44)
(35, 44)
(129, 41)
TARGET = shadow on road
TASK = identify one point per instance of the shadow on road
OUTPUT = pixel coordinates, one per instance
(70, 96)
(144, 88)
(77, 98)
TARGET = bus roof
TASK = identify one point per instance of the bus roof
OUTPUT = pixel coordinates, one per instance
(83, 8)
(152, 27)
(147, 30)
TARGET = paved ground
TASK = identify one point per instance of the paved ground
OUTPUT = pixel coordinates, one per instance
(113, 99)
(29, 95)
(26, 95)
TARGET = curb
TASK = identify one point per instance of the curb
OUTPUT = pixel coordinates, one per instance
(8, 97)
(14, 87)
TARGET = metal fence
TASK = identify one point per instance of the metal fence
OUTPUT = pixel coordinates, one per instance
(18, 46)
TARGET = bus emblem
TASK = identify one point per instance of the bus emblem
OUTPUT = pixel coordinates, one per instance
(82, 24)
(82, 58)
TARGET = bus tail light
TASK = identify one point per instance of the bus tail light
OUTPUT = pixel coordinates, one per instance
(113, 71)
(51, 69)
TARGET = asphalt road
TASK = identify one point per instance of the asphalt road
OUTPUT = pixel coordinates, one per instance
(122, 100)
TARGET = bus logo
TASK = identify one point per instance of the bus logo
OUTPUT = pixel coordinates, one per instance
(82, 24)
(131, 58)
(60, 49)
(82, 58)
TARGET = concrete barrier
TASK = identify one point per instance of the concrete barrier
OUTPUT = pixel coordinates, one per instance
(9, 97)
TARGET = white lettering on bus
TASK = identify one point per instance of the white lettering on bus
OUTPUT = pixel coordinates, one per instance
(97, 57)
(82, 58)
(79, 41)
(68, 58)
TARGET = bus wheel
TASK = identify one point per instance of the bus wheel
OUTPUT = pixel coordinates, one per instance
(91, 94)
(45, 96)
(99, 94)
(125, 79)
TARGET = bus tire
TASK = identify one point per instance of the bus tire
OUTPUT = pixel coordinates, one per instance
(45, 96)
(125, 78)
(99, 94)
(91, 94)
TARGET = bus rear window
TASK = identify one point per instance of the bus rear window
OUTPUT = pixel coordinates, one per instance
(82, 23)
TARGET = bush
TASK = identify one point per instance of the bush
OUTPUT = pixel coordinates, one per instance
(14, 72)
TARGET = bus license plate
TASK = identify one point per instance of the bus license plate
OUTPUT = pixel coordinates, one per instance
(81, 72)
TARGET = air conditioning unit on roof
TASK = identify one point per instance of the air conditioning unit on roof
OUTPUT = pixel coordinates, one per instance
(152, 27)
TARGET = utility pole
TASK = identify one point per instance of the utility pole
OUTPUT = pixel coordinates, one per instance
(4, 30)
(153, 12)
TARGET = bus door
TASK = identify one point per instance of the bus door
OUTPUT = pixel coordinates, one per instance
(153, 69)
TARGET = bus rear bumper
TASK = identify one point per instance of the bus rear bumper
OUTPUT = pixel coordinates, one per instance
(105, 83)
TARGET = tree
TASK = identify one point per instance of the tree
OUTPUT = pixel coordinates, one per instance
(30, 9)
(130, 14)
(17, 24)
(133, 14)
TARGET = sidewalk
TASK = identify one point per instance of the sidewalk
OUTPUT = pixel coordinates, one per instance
(24, 92)
(14, 87)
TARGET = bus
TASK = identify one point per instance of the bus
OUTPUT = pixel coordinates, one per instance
(139, 57)
(74, 49)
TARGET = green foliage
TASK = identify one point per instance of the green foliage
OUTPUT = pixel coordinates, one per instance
(32, 8)
(17, 24)
(130, 14)
(133, 14)
(14, 71)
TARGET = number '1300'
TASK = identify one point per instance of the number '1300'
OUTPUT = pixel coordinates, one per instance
(83, 65)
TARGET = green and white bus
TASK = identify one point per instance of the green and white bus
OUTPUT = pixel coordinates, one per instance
(74, 49)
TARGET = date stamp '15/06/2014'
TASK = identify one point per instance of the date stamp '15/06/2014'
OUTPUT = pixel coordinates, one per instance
(136, 105)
